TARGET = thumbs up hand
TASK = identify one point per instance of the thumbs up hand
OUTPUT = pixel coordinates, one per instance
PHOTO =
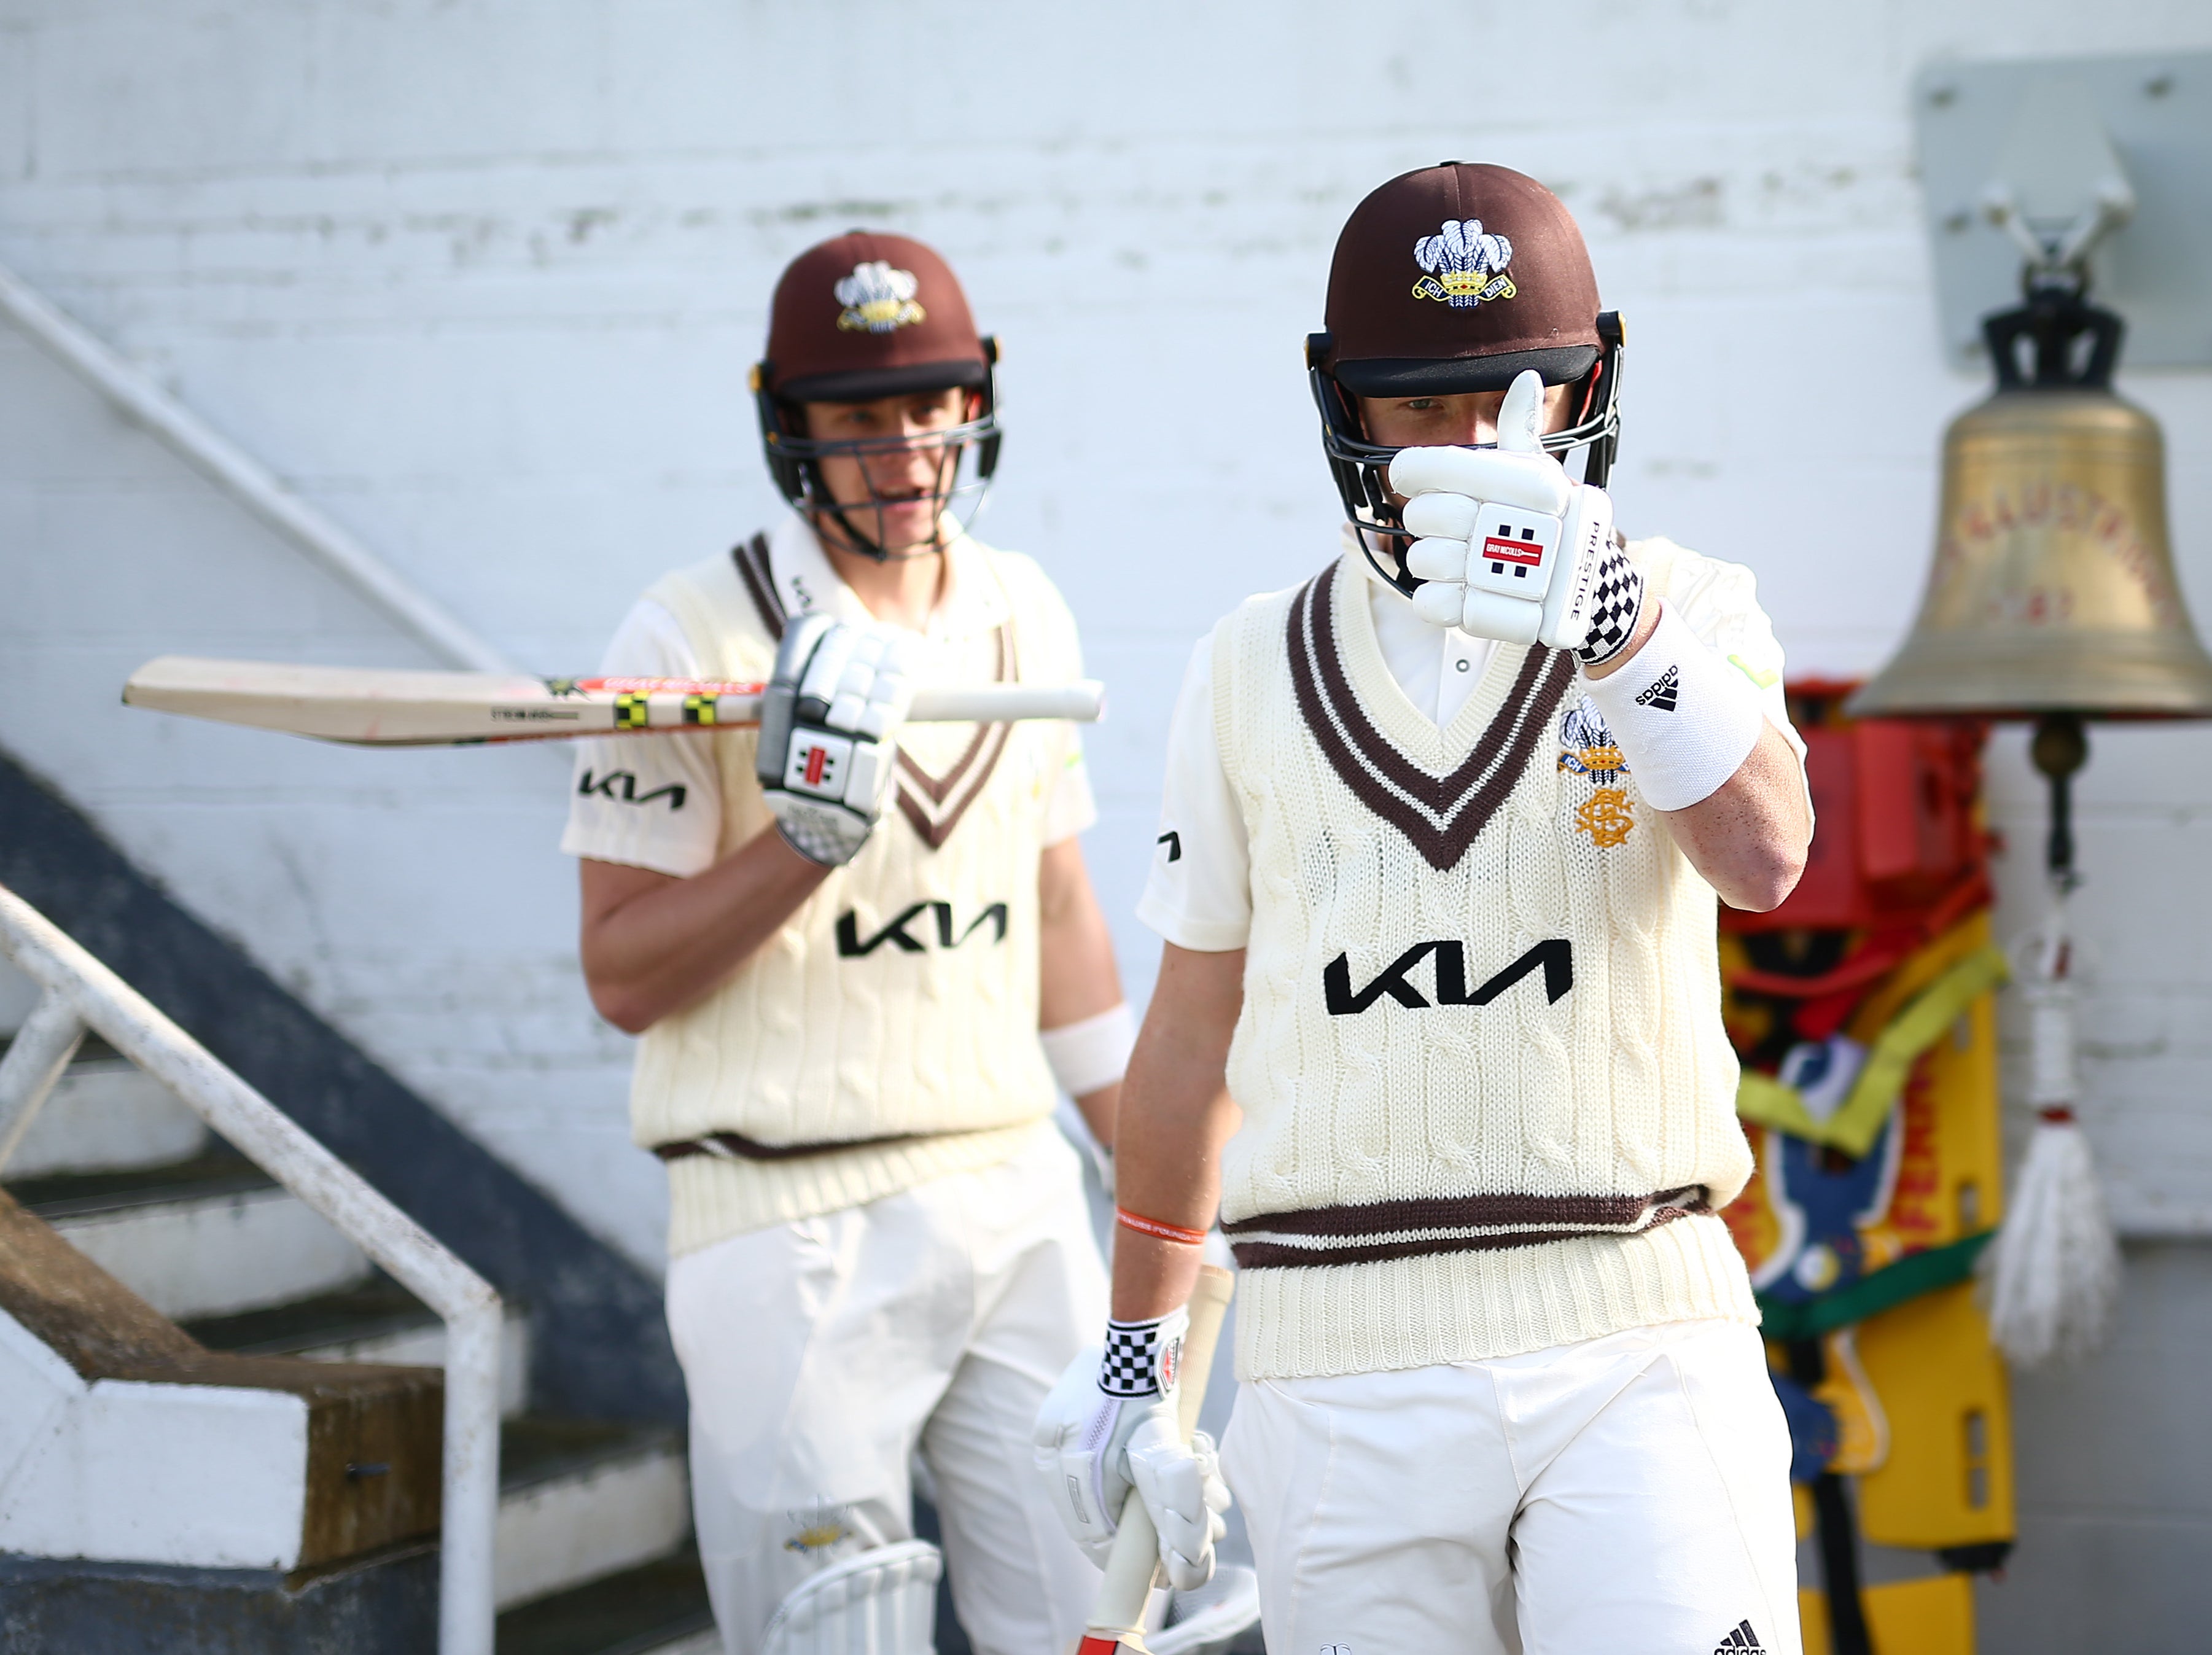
(1507, 547)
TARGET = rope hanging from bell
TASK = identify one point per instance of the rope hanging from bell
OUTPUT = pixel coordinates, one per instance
(2053, 1273)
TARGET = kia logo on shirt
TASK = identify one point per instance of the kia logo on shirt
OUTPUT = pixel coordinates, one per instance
(852, 945)
(620, 787)
(1555, 959)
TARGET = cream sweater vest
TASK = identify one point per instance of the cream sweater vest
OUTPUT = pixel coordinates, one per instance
(1488, 1103)
(900, 1001)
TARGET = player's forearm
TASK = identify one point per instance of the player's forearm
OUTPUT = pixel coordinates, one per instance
(1175, 1115)
(1077, 978)
(653, 945)
(1749, 838)
(1075, 974)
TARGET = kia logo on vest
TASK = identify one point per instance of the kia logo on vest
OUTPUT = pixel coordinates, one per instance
(1556, 958)
(850, 945)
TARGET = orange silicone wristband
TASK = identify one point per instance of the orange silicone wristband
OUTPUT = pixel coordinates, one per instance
(1153, 1227)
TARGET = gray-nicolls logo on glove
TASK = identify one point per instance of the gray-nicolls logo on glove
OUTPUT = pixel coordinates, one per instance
(829, 726)
(1509, 548)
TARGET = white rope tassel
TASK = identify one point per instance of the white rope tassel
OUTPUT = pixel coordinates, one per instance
(2054, 1270)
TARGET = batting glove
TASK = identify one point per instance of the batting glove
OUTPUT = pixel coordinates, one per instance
(1109, 1425)
(1507, 548)
(828, 721)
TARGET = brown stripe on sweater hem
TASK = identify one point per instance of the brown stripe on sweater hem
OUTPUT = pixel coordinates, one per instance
(1268, 1255)
(1466, 1213)
(735, 1145)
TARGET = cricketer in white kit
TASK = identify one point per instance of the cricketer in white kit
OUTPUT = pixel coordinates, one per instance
(838, 937)
(1437, 1028)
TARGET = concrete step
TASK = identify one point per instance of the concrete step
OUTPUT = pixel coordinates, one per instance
(208, 1236)
(659, 1608)
(106, 1114)
(376, 1322)
(121, 1441)
(582, 1499)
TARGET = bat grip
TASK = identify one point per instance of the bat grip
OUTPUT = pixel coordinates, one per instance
(1118, 1617)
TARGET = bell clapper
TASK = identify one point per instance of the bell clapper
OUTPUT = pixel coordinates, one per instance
(2060, 748)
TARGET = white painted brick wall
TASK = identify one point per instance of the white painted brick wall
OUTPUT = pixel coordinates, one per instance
(483, 280)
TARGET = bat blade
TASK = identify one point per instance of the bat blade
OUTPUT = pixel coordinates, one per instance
(381, 707)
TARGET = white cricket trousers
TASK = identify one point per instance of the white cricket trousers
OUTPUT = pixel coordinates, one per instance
(821, 1356)
(1625, 1495)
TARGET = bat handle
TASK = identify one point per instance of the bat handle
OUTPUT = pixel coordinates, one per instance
(1118, 1617)
(1083, 701)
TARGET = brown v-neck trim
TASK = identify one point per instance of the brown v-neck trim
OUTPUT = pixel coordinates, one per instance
(1440, 815)
(933, 804)
(753, 569)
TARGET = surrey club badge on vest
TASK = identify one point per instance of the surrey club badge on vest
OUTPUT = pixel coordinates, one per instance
(877, 299)
(1587, 748)
(1466, 267)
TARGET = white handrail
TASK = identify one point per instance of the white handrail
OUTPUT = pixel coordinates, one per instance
(78, 989)
(253, 485)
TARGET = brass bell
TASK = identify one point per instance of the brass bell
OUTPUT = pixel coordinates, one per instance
(2053, 587)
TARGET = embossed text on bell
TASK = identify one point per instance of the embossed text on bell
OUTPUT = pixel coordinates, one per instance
(2053, 584)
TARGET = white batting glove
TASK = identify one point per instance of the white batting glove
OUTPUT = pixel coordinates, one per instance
(1182, 1488)
(829, 725)
(1507, 548)
(1109, 1425)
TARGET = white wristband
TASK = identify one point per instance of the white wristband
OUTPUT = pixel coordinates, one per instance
(1091, 1054)
(1683, 719)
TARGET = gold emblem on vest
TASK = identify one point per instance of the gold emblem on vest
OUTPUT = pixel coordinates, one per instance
(1608, 814)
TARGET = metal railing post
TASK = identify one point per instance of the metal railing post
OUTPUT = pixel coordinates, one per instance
(79, 985)
(36, 1057)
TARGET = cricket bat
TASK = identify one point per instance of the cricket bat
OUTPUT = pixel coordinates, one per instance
(1117, 1618)
(371, 707)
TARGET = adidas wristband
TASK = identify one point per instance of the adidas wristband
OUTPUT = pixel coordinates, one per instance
(1143, 1358)
(1683, 718)
(1092, 1053)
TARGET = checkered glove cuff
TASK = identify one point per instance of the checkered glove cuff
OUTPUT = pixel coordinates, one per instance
(1616, 600)
(1143, 1359)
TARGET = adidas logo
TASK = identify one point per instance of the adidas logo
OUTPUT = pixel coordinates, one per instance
(1743, 1641)
(1661, 696)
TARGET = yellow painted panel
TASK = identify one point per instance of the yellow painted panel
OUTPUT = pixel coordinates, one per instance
(1947, 1481)
(1950, 1171)
(1932, 1617)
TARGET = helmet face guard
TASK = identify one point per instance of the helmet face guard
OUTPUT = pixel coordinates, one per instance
(967, 453)
(1361, 467)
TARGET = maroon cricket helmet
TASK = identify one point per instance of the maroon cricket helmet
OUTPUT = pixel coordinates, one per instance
(869, 315)
(1458, 277)
(863, 316)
